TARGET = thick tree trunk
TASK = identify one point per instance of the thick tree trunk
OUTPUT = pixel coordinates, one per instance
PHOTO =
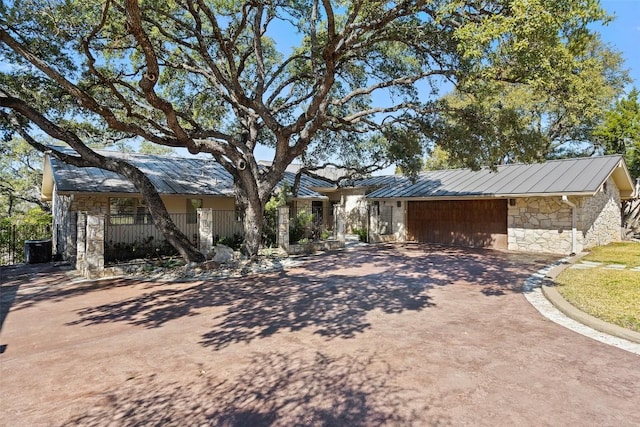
(252, 208)
(172, 233)
(253, 225)
(89, 158)
(160, 215)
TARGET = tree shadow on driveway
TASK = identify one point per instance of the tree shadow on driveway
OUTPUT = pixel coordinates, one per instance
(331, 293)
(276, 389)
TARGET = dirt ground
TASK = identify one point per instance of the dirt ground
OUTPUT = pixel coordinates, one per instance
(384, 335)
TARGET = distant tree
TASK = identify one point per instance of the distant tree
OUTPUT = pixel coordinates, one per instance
(494, 122)
(148, 148)
(359, 84)
(438, 159)
(20, 178)
(620, 131)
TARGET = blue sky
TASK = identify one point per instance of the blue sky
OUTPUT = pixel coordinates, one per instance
(624, 33)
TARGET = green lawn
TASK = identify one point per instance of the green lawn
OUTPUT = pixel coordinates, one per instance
(611, 295)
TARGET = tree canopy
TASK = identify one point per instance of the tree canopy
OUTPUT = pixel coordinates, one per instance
(357, 81)
(499, 122)
(20, 178)
(620, 131)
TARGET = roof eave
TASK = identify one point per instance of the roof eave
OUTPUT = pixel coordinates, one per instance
(621, 176)
(323, 189)
(483, 196)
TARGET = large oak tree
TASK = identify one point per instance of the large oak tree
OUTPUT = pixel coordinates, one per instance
(319, 80)
(501, 122)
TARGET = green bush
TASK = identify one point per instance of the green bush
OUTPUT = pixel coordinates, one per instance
(270, 226)
(234, 242)
(38, 217)
(300, 225)
(362, 234)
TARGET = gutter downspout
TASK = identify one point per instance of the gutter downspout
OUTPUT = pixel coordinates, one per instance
(574, 233)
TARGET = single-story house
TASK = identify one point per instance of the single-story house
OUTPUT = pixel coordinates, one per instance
(185, 185)
(559, 206)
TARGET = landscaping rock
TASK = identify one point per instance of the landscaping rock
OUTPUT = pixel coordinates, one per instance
(223, 254)
(210, 265)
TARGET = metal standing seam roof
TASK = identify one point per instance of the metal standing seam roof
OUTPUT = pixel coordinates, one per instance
(169, 175)
(376, 181)
(307, 183)
(568, 176)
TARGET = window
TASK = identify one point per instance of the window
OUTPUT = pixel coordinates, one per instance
(385, 220)
(192, 210)
(317, 211)
(128, 210)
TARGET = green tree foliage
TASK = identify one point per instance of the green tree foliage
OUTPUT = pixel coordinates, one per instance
(360, 83)
(505, 121)
(620, 131)
(439, 159)
(36, 216)
(148, 148)
(20, 178)
(270, 231)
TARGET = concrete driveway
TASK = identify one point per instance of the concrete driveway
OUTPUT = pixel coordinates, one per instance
(385, 335)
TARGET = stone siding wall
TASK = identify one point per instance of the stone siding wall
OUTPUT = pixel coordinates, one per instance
(379, 231)
(540, 224)
(64, 230)
(544, 224)
(64, 210)
(355, 207)
(599, 217)
(92, 204)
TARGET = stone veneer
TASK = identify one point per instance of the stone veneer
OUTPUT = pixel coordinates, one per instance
(544, 224)
(90, 204)
(540, 224)
(397, 225)
(64, 210)
(600, 217)
(64, 231)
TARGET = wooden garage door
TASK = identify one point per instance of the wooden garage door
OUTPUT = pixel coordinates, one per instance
(471, 223)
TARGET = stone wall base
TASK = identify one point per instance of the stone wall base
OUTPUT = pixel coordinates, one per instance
(311, 247)
(384, 238)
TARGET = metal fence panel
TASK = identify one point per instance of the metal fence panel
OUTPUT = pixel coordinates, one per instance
(136, 236)
(13, 236)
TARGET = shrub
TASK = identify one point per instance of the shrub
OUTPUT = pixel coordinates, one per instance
(299, 225)
(362, 233)
(270, 226)
(234, 242)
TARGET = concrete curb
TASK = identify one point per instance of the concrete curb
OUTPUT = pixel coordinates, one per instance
(569, 310)
(552, 294)
(540, 292)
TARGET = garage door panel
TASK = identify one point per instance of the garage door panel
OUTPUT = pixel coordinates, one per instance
(473, 223)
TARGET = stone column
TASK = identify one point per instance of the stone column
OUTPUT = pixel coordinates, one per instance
(81, 240)
(339, 215)
(283, 228)
(94, 255)
(205, 230)
(70, 225)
